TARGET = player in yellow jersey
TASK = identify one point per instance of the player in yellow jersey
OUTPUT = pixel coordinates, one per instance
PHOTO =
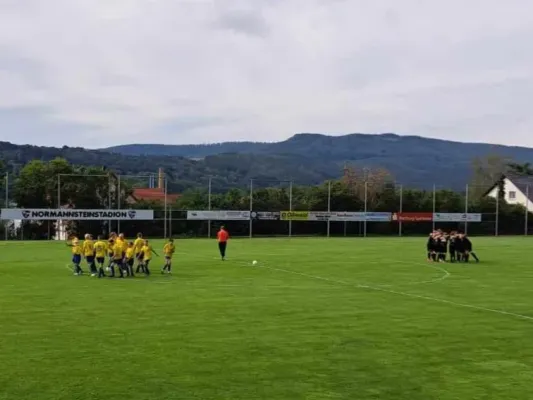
(77, 252)
(130, 259)
(168, 250)
(138, 245)
(147, 251)
(117, 260)
(121, 240)
(88, 253)
(100, 250)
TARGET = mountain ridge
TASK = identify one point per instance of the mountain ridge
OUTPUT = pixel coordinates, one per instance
(305, 158)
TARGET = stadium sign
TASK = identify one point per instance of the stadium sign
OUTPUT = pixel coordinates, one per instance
(336, 216)
(412, 217)
(265, 215)
(294, 215)
(456, 217)
(74, 214)
(218, 215)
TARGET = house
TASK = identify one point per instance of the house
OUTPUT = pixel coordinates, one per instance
(518, 190)
(153, 194)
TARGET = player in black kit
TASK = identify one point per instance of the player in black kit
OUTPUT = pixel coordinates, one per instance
(467, 249)
(451, 246)
(442, 247)
(430, 247)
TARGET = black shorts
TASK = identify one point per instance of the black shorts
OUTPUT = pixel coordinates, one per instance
(130, 262)
(140, 256)
(100, 260)
(90, 259)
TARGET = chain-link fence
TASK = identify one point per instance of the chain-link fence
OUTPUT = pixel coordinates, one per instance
(263, 208)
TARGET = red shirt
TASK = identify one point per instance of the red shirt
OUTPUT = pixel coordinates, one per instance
(222, 236)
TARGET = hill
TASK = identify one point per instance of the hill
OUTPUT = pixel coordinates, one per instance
(304, 158)
(413, 160)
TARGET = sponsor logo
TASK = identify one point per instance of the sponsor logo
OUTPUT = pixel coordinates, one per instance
(132, 214)
(26, 214)
(412, 217)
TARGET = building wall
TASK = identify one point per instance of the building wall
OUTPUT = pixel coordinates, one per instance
(518, 198)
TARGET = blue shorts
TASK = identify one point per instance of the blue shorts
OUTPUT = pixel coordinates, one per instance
(90, 259)
(76, 258)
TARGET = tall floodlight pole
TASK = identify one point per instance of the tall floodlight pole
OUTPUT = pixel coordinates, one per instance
(366, 208)
(251, 205)
(209, 207)
(290, 207)
(118, 202)
(434, 206)
(400, 211)
(329, 209)
(166, 209)
(466, 210)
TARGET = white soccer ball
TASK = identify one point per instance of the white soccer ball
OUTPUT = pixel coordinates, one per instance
(254, 262)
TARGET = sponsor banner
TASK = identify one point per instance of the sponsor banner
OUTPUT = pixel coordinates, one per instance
(294, 215)
(412, 217)
(336, 216)
(70, 213)
(218, 215)
(456, 217)
(266, 215)
(319, 216)
(347, 216)
(378, 216)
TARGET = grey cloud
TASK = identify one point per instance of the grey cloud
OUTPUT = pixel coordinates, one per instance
(121, 72)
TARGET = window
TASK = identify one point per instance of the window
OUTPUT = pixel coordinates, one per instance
(512, 195)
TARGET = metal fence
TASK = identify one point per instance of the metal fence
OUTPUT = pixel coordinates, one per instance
(509, 217)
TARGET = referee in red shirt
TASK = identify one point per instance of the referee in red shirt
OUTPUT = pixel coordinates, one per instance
(222, 238)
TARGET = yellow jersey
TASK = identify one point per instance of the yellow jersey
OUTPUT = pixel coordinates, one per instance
(88, 248)
(117, 251)
(147, 252)
(122, 243)
(100, 248)
(130, 253)
(169, 249)
(77, 250)
(138, 245)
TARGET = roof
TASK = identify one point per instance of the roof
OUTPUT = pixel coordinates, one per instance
(155, 194)
(520, 181)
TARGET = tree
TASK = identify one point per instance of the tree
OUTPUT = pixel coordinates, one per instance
(520, 169)
(486, 172)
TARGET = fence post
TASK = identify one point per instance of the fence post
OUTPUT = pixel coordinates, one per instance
(209, 208)
(400, 211)
(118, 201)
(166, 209)
(366, 208)
(251, 206)
(58, 191)
(170, 223)
(434, 205)
(109, 228)
(7, 204)
(527, 211)
(466, 210)
(329, 208)
(290, 208)
(497, 220)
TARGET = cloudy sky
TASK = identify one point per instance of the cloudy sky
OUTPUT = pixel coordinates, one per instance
(97, 73)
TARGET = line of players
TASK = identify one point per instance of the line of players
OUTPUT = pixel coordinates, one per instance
(120, 253)
(456, 244)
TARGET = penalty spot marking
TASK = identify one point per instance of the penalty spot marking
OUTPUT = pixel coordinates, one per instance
(405, 294)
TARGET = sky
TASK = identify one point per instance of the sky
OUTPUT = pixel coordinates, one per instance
(98, 73)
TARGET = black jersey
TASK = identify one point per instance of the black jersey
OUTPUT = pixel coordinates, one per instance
(431, 245)
(467, 244)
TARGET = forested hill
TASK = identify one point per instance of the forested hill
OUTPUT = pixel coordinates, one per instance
(304, 158)
(412, 160)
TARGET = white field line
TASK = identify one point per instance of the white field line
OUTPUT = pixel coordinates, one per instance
(405, 294)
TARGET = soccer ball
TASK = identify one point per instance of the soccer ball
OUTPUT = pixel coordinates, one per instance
(254, 262)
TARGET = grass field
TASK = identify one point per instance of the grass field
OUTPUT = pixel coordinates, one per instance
(316, 319)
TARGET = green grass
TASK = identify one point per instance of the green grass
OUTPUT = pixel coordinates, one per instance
(300, 325)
